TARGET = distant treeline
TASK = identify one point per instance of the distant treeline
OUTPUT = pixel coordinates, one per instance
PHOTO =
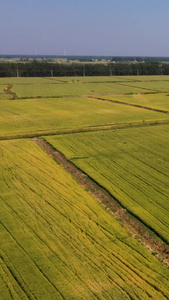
(88, 58)
(45, 69)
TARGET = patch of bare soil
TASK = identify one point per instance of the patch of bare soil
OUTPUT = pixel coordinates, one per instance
(8, 92)
(136, 228)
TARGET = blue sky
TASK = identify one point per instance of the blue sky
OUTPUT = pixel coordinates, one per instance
(85, 27)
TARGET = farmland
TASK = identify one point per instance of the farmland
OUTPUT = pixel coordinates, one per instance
(71, 88)
(129, 165)
(162, 86)
(157, 101)
(44, 115)
(58, 243)
(59, 240)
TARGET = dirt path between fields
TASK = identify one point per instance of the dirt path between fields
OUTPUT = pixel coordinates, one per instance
(8, 92)
(130, 104)
(132, 224)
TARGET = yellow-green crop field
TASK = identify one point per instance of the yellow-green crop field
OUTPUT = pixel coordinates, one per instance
(157, 101)
(45, 115)
(71, 89)
(162, 86)
(156, 78)
(25, 80)
(128, 163)
(57, 240)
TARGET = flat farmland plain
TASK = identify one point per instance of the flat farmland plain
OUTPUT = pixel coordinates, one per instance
(145, 78)
(25, 80)
(157, 101)
(45, 115)
(71, 89)
(158, 86)
(57, 242)
(133, 166)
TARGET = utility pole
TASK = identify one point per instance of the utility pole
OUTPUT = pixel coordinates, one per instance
(137, 72)
(84, 71)
(17, 72)
(51, 72)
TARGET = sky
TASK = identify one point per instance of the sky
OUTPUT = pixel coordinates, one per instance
(84, 27)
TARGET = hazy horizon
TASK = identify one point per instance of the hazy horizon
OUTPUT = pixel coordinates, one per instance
(84, 28)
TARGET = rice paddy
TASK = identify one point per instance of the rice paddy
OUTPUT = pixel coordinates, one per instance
(128, 163)
(157, 101)
(57, 240)
(58, 243)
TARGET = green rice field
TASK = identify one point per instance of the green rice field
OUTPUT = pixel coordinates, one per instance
(162, 86)
(58, 243)
(71, 88)
(58, 239)
(157, 101)
(43, 115)
(131, 167)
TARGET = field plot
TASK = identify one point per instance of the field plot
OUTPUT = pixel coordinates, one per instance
(157, 101)
(156, 86)
(25, 80)
(121, 79)
(57, 242)
(75, 79)
(145, 78)
(89, 79)
(43, 115)
(132, 164)
(75, 86)
(96, 79)
(71, 88)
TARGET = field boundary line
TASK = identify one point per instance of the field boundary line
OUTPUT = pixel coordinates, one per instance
(131, 104)
(77, 96)
(139, 230)
(86, 129)
(133, 86)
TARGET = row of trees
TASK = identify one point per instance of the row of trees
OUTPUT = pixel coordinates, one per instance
(47, 69)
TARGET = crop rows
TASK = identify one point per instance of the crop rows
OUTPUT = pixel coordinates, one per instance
(157, 101)
(58, 243)
(162, 86)
(40, 115)
(72, 88)
(132, 164)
